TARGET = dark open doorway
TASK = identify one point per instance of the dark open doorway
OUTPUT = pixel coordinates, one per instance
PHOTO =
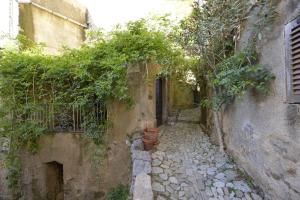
(54, 181)
(159, 101)
(196, 94)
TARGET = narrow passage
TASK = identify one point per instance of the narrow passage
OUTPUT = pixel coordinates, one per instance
(187, 166)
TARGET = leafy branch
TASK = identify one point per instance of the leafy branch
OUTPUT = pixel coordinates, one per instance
(95, 72)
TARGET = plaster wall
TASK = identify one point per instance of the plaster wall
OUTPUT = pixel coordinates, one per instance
(53, 23)
(82, 180)
(68, 8)
(263, 132)
(89, 171)
(180, 95)
(142, 113)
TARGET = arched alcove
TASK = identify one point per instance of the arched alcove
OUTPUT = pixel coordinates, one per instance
(54, 181)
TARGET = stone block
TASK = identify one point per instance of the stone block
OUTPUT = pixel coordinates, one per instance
(140, 166)
(142, 187)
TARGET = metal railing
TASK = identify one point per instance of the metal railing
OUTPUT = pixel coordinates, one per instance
(67, 118)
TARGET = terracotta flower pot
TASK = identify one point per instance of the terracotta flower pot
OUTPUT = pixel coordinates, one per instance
(151, 136)
(148, 144)
(154, 130)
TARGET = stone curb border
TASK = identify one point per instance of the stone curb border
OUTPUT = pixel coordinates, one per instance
(141, 170)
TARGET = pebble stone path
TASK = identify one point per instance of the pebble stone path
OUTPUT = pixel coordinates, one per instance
(187, 166)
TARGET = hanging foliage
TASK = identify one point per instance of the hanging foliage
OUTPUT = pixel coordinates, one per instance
(210, 33)
(35, 86)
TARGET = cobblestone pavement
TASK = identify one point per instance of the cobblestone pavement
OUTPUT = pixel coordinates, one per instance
(187, 166)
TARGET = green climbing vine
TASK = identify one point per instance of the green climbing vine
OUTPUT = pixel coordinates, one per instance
(235, 75)
(211, 35)
(95, 72)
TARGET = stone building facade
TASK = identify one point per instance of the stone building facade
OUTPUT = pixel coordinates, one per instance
(263, 132)
(53, 23)
(67, 166)
(70, 166)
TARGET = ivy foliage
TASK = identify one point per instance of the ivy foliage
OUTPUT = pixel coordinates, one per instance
(210, 34)
(121, 192)
(236, 75)
(96, 72)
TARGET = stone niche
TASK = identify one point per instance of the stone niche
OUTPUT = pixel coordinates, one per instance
(65, 169)
(54, 180)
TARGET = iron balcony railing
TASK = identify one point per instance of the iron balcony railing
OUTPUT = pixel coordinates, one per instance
(67, 118)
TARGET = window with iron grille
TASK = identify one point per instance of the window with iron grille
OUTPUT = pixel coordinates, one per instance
(292, 37)
(65, 117)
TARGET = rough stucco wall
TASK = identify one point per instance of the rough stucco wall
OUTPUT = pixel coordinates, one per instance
(181, 95)
(45, 27)
(80, 180)
(143, 112)
(69, 8)
(70, 150)
(42, 26)
(262, 133)
(127, 121)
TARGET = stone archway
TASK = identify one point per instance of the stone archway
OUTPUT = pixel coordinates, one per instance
(54, 181)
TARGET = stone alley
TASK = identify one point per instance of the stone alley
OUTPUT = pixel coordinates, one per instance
(187, 166)
(150, 100)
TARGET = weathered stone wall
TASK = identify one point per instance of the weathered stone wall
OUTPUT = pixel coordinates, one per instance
(54, 23)
(263, 132)
(4, 191)
(142, 114)
(180, 95)
(130, 122)
(89, 171)
(82, 178)
(68, 8)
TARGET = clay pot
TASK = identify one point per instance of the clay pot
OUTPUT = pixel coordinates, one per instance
(148, 144)
(150, 137)
(152, 130)
(151, 133)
